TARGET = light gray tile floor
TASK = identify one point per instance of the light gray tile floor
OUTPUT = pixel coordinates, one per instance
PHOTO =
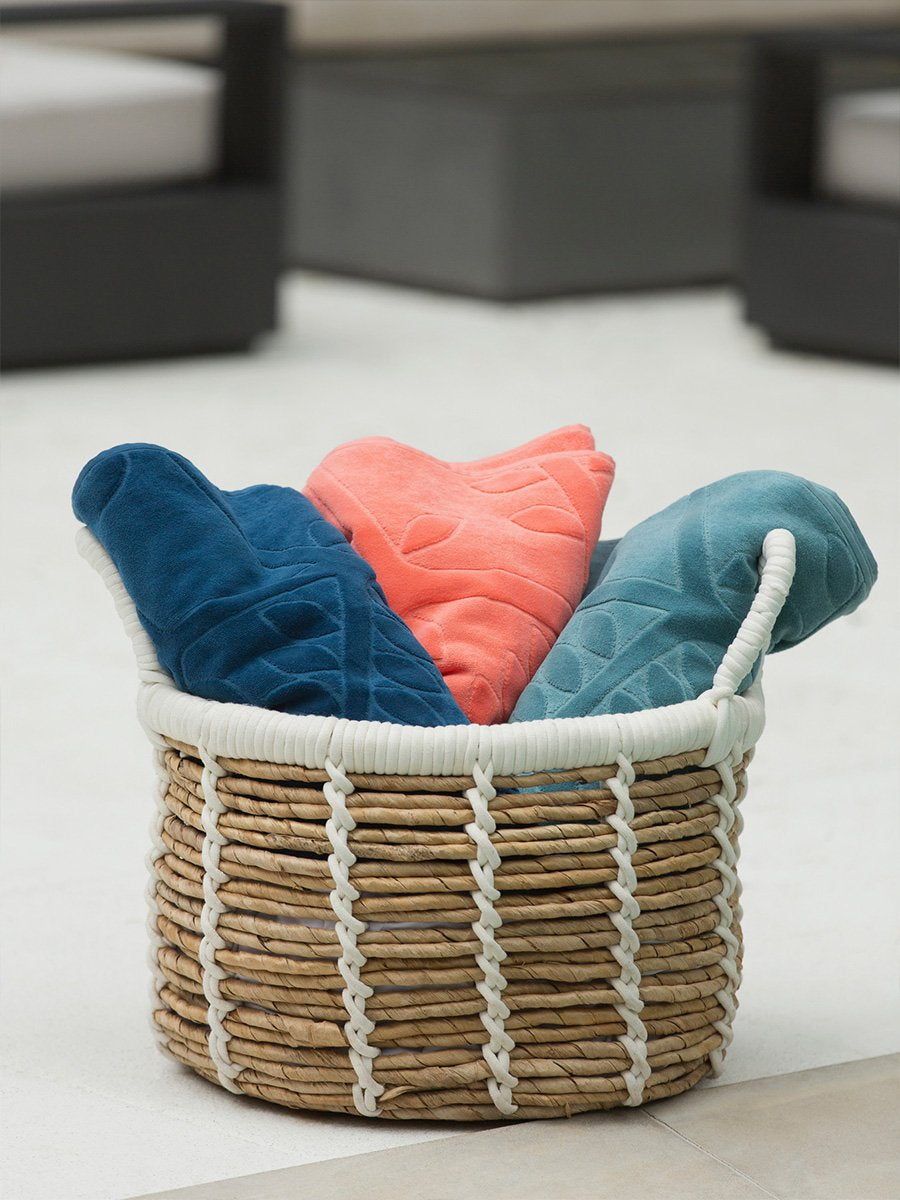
(680, 393)
(827, 1134)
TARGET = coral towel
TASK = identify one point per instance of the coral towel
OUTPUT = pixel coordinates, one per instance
(485, 561)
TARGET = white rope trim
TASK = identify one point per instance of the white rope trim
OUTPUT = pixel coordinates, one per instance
(496, 1050)
(777, 562)
(241, 731)
(348, 928)
(157, 849)
(628, 984)
(212, 974)
(726, 802)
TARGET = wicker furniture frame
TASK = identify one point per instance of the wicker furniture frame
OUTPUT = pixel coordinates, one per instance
(100, 273)
(463, 923)
(818, 274)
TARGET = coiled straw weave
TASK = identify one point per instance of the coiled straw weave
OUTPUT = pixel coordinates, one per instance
(465, 923)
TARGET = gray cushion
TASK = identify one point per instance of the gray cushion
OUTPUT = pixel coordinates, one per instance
(859, 154)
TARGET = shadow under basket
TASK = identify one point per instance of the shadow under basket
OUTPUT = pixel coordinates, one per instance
(459, 923)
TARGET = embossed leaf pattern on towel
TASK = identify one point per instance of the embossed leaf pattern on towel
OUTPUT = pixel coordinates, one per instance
(668, 598)
(485, 561)
(252, 597)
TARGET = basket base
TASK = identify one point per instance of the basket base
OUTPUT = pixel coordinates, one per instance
(585, 1094)
(381, 989)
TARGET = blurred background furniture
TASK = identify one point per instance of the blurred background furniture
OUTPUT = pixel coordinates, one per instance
(820, 269)
(522, 171)
(369, 26)
(518, 148)
(141, 198)
(525, 171)
(859, 147)
(507, 149)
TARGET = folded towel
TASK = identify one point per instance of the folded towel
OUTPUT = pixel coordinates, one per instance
(671, 595)
(252, 597)
(485, 561)
(599, 562)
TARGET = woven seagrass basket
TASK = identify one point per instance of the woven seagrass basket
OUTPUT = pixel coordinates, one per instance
(463, 923)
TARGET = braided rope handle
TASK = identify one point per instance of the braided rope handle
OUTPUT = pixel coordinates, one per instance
(776, 574)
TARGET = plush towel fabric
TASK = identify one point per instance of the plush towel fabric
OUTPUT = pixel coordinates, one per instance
(252, 597)
(673, 592)
(599, 562)
(485, 561)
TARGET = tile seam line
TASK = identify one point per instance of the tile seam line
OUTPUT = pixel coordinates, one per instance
(709, 1154)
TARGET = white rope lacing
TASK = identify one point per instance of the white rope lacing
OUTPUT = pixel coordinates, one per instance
(729, 819)
(628, 984)
(157, 849)
(497, 1049)
(367, 1090)
(212, 974)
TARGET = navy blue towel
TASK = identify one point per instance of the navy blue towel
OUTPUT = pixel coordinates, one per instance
(253, 597)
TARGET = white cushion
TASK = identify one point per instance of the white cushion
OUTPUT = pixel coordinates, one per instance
(78, 118)
(382, 24)
(859, 147)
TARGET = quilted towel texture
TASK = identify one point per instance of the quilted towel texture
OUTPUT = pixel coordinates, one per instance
(485, 561)
(670, 596)
(599, 561)
(250, 596)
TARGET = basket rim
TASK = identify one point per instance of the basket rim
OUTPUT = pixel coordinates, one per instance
(719, 720)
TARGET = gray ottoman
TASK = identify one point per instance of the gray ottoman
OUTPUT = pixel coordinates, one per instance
(521, 172)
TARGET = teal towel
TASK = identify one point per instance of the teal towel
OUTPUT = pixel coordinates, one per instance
(668, 599)
(599, 562)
